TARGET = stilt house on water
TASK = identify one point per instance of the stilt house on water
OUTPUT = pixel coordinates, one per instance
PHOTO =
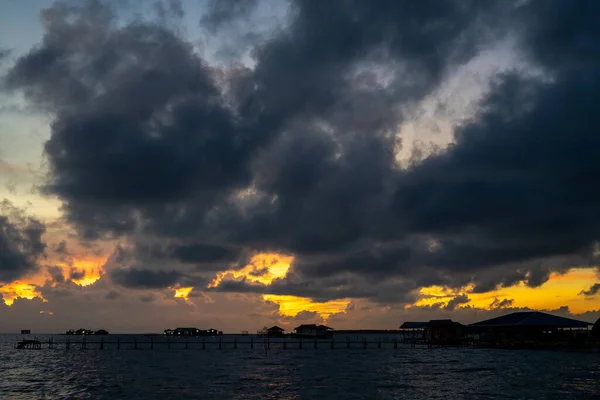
(530, 326)
(313, 331)
(435, 331)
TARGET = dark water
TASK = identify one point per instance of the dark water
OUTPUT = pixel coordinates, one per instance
(306, 373)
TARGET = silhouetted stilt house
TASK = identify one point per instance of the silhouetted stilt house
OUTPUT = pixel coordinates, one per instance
(530, 326)
(275, 331)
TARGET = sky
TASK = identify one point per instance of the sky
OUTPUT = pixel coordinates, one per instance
(234, 164)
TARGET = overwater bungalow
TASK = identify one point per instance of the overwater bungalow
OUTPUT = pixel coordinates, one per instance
(313, 331)
(531, 327)
(444, 331)
(80, 332)
(275, 331)
(194, 332)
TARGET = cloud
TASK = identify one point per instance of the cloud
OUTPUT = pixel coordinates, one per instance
(498, 304)
(456, 301)
(138, 278)
(61, 248)
(21, 244)
(592, 291)
(296, 152)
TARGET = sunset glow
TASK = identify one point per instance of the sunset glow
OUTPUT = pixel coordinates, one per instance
(559, 290)
(290, 306)
(18, 289)
(183, 292)
(262, 268)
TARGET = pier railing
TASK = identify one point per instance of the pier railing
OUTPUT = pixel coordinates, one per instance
(220, 343)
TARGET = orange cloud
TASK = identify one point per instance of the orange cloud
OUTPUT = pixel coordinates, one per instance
(559, 290)
(182, 292)
(264, 268)
(90, 267)
(19, 289)
(290, 306)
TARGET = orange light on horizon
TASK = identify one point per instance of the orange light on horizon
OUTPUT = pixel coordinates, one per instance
(291, 306)
(559, 290)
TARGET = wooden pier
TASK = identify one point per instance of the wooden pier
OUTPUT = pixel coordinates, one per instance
(222, 343)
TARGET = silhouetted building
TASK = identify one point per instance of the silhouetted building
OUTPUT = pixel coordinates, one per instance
(25, 331)
(101, 332)
(596, 331)
(313, 331)
(275, 331)
(192, 332)
(436, 330)
(81, 332)
(532, 326)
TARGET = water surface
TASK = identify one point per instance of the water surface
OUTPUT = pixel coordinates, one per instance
(307, 373)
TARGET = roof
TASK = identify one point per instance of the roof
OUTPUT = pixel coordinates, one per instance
(531, 319)
(275, 328)
(413, 325)
(441, 322)
(313, 326)
(434, 323)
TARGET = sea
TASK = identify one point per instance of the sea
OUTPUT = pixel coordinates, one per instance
(146, 367)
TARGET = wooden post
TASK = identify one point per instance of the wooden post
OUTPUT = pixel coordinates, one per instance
(51, 342)
(284, 343)
(364, 343)
(101, 343)
(252, 342)
(83, 343)
(268, 344)
(68, 344)
(395, 343)
(220, 342)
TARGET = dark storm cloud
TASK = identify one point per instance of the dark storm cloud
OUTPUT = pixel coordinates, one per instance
(56, 274)
(138, 278)
(21, 243)
(147, 139)
(221, 12)
(75, 274)
(592, 291)
(499, 304)
(457, 301)
(61, 248)
(200, 253)
(4, 54)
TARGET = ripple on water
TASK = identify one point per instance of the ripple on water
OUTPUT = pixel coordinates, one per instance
(295, 374)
